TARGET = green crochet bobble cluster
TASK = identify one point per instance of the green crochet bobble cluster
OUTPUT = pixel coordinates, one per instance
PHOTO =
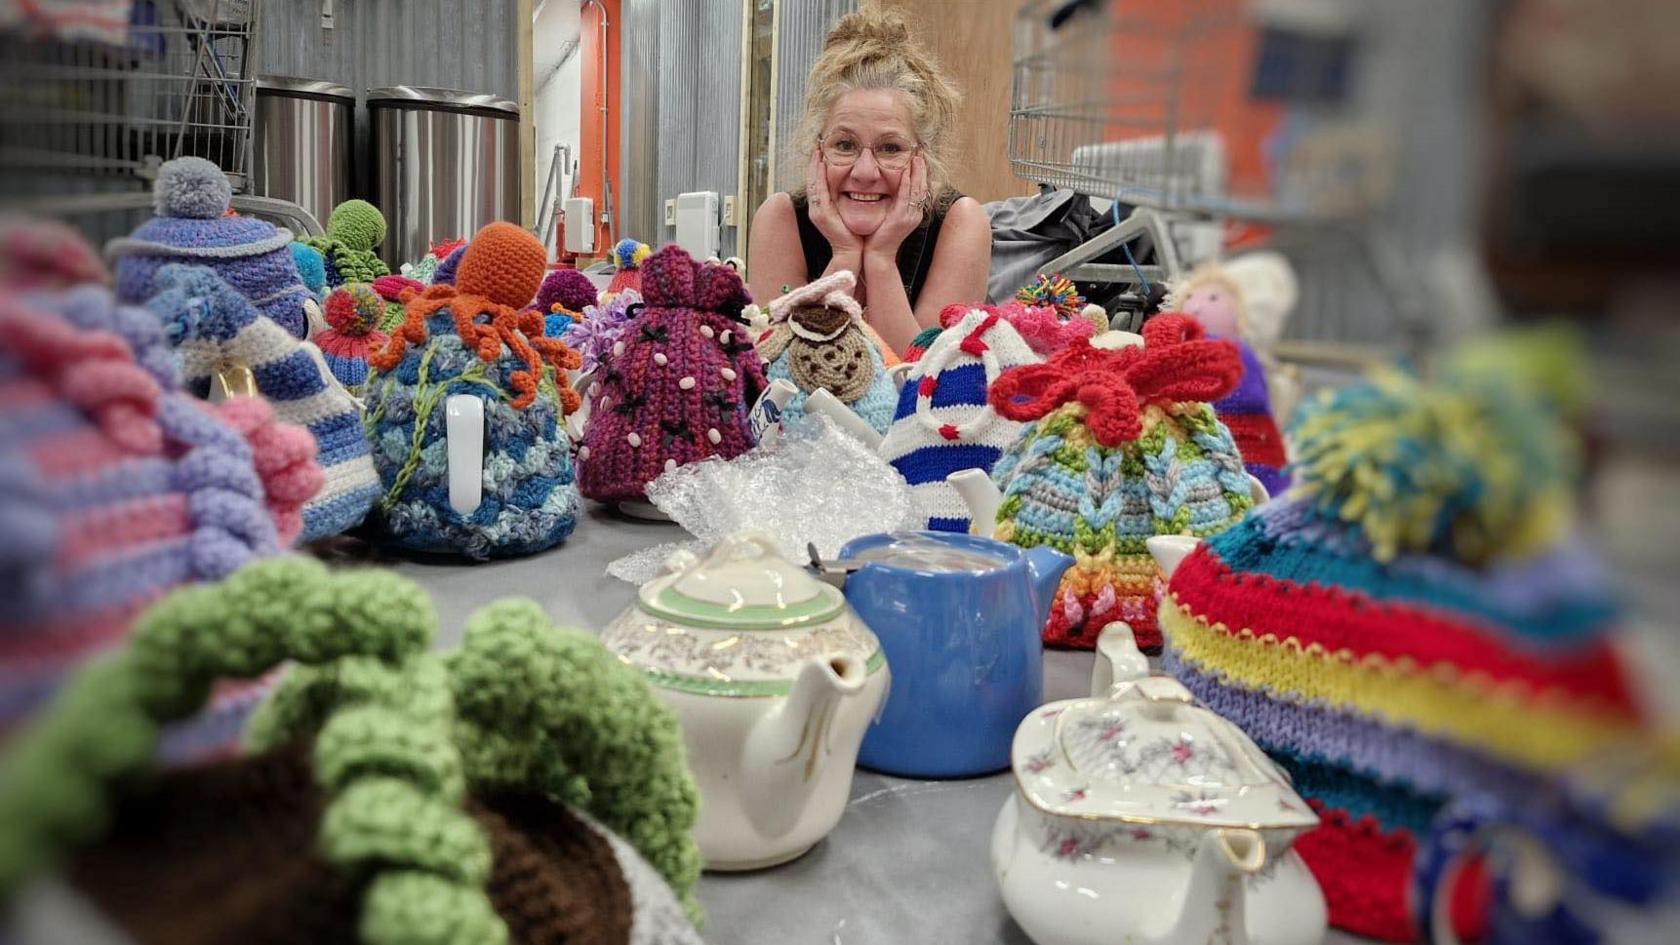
(401, 735)
(354, 229)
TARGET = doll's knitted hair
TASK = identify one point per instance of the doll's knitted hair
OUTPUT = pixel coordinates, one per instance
(400, 737)
(1261, 285)
(355, 228)
(472, 338)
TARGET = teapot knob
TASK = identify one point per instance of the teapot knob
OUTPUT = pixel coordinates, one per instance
(680, 560)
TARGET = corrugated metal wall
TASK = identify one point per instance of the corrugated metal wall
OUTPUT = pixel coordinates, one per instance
(803, 24)
(469, 46)
(641, 208)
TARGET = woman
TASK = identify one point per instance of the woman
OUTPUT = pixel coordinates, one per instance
(875, 141)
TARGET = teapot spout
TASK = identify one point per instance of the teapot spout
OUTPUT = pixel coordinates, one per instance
(982, 497)
(1045, 566)
(788, 748)
(1169, 551)
(1215, 898)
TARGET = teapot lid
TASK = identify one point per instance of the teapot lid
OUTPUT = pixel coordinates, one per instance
(1148, 753)
(742, 582)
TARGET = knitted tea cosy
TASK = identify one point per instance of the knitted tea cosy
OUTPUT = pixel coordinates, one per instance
(193, 226)
(472, 338)
(601, 326)
(676, 386)
(444, 274)
(394, 794)
(37, 253)
(213, 328)
(565, 293)
(354, 230)
(391, 289)
(817, 340)
(1411, 623)
(1121, 446)
(312, 267)
(628, 257)
(116, 487)
(354, 312)
(944, 422)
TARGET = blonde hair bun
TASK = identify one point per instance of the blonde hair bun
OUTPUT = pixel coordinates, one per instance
(870, 29)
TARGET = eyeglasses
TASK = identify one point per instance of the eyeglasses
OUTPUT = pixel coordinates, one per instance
(843, 150)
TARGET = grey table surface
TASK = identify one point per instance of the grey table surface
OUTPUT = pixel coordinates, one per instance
(909, 860)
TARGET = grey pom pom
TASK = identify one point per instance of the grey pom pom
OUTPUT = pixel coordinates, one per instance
(191, 187)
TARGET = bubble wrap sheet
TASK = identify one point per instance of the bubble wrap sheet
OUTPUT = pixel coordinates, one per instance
(814, 484)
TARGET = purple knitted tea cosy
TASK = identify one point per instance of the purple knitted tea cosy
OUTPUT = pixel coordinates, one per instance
(677, 385)
(192, 225)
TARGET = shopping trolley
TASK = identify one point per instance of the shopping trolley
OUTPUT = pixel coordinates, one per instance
(1197, 118)
(87, 117)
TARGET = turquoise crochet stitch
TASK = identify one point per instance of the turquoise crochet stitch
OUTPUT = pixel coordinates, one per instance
(401, 735)
(875, 407)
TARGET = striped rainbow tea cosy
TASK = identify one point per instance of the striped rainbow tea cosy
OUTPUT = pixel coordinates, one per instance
(1120, 446)
(945, 423)
(192, 226)
(472, 338)
(116, 487)
(1412, 623)
(676, 385)
(213, 328)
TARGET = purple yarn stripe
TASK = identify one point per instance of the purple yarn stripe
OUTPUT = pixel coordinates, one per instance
(1397, 756)
(20, 425)
(138, 478)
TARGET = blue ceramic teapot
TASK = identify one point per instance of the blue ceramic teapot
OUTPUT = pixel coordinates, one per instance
(961, 615)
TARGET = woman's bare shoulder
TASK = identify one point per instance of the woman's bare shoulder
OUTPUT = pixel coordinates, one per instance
(776, 208)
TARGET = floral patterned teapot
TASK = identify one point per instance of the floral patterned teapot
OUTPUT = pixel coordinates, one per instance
(774, 678)
(1140, 816)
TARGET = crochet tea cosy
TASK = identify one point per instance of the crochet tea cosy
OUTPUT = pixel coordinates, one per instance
(944, 421)
(628, 257)
(312, 267)
(116, 487)
(193, 226)
(472, 338)
(600, 327)
(444, 274)
(354, 313)
(37, 253)
(816, 340)
(1120, 446)
(393, 794)
(1410, 624)
(676, 386)
(391, 289)
(354, 230)
(214, 328)
(565, 293)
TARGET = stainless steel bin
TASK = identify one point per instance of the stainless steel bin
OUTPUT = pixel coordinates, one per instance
(303, 142)
(444, 164)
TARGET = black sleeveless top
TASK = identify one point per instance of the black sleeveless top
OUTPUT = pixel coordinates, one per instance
(915, 254)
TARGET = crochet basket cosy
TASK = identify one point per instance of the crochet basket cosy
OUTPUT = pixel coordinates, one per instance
(944, 421)
(522, 787)
(115, 487)
(354, 230)
(1409, 625)
(676, 386)
(214, 328)
(1119, 446)
(472, 338)
(192, 226)
(817, 340)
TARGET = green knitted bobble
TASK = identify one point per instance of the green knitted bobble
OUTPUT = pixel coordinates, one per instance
(406, 907)
(357, 224)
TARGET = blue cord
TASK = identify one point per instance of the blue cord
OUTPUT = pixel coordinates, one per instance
(1126, 248)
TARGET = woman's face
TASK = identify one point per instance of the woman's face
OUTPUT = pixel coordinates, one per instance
(870, 124)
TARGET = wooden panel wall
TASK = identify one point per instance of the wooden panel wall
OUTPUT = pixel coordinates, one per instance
(972, 39)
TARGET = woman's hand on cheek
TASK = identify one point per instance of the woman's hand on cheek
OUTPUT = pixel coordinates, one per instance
(906, 214)
(824, 216)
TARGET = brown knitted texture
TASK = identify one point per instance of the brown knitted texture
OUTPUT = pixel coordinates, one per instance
(224, 854)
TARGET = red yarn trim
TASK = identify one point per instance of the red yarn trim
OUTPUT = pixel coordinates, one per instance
(1257, 438)
(1338, 619)
(974, 343)
(1365, 872)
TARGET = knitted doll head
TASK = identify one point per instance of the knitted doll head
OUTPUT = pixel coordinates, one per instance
(46, 254)
(473, 338)
(392, 792)
(944, 422)
(355, 228)
(353, 313)
(216, 331)
(192, 226)
(676, 386)
(628, 257)
(1411, 624)
(1120, 446)
(816, 340)
(117, 487)
(1248, 298)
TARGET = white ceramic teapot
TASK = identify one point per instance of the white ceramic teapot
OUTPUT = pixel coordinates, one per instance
(1140, 816)
(774, 679)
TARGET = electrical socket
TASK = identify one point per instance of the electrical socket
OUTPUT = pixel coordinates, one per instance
(670, 213)
(729, 211)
